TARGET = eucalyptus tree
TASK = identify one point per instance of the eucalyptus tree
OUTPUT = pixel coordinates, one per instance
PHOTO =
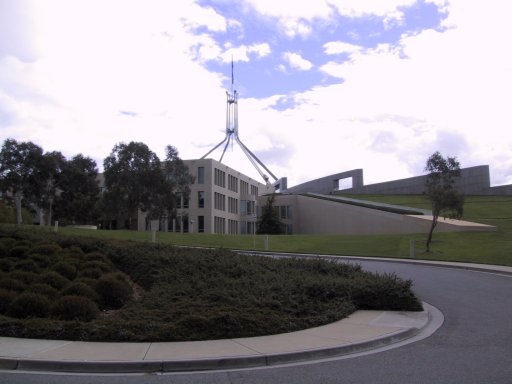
(446, 200)
(76, 203)
(133, 176)
(20, 175)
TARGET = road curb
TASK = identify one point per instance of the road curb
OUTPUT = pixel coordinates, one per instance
(208, 364)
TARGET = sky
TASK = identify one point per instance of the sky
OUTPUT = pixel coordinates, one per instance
(325, 86)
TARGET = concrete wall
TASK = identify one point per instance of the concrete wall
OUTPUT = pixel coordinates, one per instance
(317, 216)
(473, 181)
(329, 184)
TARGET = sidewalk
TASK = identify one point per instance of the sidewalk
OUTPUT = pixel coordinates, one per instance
(363, 330)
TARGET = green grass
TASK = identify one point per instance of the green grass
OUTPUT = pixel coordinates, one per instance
(476, 247)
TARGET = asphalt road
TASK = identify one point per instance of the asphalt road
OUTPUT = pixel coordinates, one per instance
(474, 345)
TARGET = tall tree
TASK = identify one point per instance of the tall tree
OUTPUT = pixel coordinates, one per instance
(48, 184)
(269, 222)
(19, 171)
(133, 175)
(441, 190)
(79, 194)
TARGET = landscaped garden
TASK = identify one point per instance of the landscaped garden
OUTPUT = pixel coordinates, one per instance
(85, 288)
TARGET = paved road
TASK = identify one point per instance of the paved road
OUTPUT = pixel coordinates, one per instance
(474, 345)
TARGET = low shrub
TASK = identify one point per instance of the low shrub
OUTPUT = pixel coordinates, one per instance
(6, 297)
(75, 308)
(56, 280)
(113, 292)
(90, 273)
(80, 289)
(96, 264)
(65, 269)
(3, 250)
(25, 277)
(385, 291)
(7, 242)
(46, 248)
(11, 284)
(44, 289)
(6, 265)
(41, 260)
(29, 304)
(19, 251)
(27, 265)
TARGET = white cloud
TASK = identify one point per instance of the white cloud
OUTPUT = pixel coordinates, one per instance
(243, 52)
(296, 61)
(337, 47)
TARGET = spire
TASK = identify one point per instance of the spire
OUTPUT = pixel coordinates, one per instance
(232, 130)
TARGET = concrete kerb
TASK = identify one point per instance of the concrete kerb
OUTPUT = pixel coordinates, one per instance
(220, 363)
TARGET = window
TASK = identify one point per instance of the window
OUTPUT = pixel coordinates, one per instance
(243, 207)
(244, 187)
(219, 225)
(200, 199)
(185, 201)
(200, 175)
(200, 224)
(284, 211)
(232, 205)
(219, 178)
(185, 223)
(219, 201)
(232, 183)
(254, 190)
(233, 227)
(179, 196)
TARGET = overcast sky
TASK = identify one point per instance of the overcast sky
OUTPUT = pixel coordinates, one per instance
(325, 85)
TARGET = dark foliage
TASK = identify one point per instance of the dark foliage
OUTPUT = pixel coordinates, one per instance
(75, 308)
(156, 292)
(29, 305)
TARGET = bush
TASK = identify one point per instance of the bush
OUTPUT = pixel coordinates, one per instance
(56, 280)
(3, 250)
(27, 265)
(96, 256)
(44, 289)
(65, 269)
(6, 265)
(24, 276)
(96, 264)
(6, 297)
(385, 291)
(19, 251)
(113, 292)
(29, 305)
(11, 284)
(46, 248)
(80, 289)
(90, 273)
(75, 308)
(41, 260)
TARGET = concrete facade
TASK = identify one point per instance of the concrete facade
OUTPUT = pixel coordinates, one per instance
(222, 200)
(310, 215)
(473, 181)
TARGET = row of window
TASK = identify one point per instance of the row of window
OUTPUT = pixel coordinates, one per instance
(181, 223)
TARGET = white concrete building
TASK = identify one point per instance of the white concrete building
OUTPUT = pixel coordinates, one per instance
(222, 200)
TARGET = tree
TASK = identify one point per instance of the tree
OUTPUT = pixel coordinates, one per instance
(269, 222)
(19, 172)
(76, 202)
(133, 176)
(48, 183)
(441, 191)
(174, 184)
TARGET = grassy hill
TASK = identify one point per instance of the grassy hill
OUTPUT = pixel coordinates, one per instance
(483, 247)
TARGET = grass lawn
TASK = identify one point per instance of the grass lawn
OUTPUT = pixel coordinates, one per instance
(476, 247)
